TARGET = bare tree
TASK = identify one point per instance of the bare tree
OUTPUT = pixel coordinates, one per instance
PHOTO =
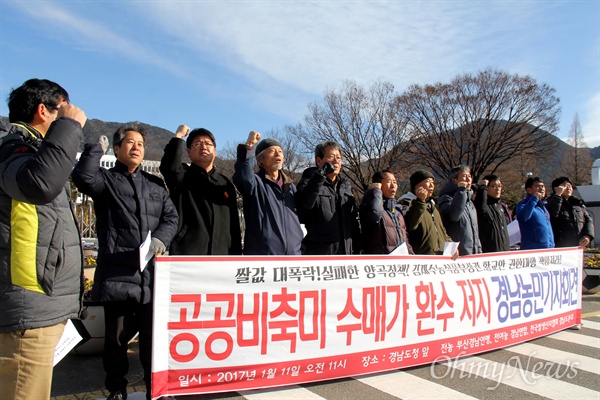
(577, 160)
(482, 120)
(365, 123)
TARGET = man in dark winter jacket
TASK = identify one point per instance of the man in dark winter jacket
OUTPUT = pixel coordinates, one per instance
(534, 219)
(209, 222)
(326, 205)
(458, 211)
(129, 204)
(426, 232)
(571, 223)
(272, 226)
(41, 259)
(491, 217)
(381, 217)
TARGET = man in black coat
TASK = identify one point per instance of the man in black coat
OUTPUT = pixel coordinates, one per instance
(491, 217)
(571, 222)
(129, 204)
(326, 205)
(209, 221)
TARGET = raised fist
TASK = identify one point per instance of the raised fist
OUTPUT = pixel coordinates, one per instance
(73, 112)
(421, 193)
(375, 185)
(253, 138)
(104, 143)
(182, 131)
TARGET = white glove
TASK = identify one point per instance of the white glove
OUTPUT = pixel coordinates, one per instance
(157, 246)
(104, 143)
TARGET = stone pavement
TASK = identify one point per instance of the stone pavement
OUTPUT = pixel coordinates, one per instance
(82, 377)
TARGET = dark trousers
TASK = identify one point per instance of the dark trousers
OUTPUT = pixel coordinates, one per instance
(122, 321)
(310, 247)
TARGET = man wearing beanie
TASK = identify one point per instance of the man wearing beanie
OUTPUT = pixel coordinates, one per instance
(426, 232)
(272, 226)
(571, 223)
(209, 222)
(458, 211)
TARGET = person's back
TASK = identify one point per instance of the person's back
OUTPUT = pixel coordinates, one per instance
(272, 226)
(206, 201)
(534, 219)
(40, 248)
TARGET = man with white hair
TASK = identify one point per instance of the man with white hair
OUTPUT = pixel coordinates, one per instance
(272, 226)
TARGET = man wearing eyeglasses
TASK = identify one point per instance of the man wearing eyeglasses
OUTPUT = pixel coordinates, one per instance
(326, 205)
(205, 199)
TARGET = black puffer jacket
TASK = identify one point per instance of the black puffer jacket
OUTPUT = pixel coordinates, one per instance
(460, 218)
(41, 279)
(209, 222)
(493, 231)
(328, 210)
(570, 220)
(127, 207)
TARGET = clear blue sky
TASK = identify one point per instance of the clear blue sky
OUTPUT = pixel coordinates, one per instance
(234, 66)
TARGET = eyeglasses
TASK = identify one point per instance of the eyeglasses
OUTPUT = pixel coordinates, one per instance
(201, 143)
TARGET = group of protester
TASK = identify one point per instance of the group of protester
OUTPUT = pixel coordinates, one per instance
(196, 213)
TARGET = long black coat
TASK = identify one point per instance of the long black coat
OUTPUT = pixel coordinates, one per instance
(209, 221)
(329, 213)
(127, 206)
(491, 220)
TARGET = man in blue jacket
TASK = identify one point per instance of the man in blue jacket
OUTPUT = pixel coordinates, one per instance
(129, 203)
(41, 259)
(272, 226)
(534, 219)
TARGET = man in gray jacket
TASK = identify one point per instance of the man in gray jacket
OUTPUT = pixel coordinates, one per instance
(458, 211)
(41, 262)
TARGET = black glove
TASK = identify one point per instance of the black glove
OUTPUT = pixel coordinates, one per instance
(157, 246)
(326, 169)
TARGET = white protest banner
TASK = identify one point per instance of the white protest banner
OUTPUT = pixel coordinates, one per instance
(236, 323)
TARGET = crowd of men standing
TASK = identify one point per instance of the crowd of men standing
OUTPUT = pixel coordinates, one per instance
(195, 212)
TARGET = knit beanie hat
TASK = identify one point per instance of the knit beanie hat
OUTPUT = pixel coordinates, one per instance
(419, 176)
(265, 144)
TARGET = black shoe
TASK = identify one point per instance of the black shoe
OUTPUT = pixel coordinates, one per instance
(117, 396)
